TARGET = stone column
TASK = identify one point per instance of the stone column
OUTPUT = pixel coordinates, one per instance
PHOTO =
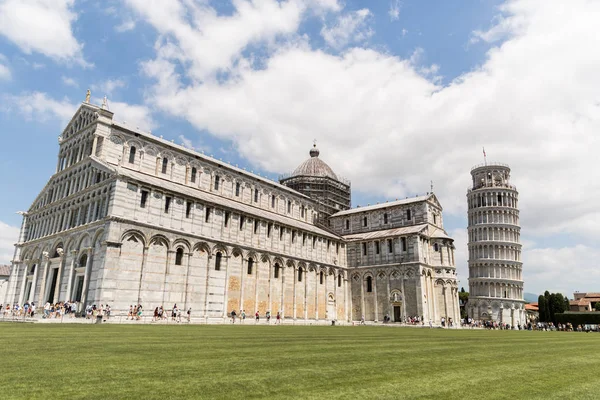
(256, 271)
(164, 286)
(242, 284)
(425, 289)
(362, 297)
(61, 263)
(23, 284)
(34, 283)
(435, 310)
(186, 283)
(445, 292)
(295, 281)
(70, 276)
(206, 287)
(347, 298)
(375, 295)
(306, 294)
(282, 305)
(86, 277)
(270, 278)
(403, 296)
(46, 258)
(144, 257)
(389, 295)
(226, 286)
(335, 299)
(317, 283)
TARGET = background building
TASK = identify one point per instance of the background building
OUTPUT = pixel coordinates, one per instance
(495, 267)
(4, 275)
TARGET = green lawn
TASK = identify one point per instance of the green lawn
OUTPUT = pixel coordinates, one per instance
(52, 361)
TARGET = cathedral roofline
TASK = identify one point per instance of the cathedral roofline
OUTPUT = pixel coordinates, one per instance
(430, 197)
(151, 137)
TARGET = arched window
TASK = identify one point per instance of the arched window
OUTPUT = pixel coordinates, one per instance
(194, 173)
(369, 284)
(276, 271)
(179, 256)
(321, 277)
(83, 261)
(250, 265)
(339, 280)
(299, 274)
(435, 247)
(164, 165)
(218, 258)
(33, 268)
(132, 155)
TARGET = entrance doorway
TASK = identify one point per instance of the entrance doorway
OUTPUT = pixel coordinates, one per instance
(397, 314)
(78, 289)
(52, 285)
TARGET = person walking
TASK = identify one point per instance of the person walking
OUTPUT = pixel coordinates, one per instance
(189, 314)
(278, 317)
(257, 315)
(233, 314)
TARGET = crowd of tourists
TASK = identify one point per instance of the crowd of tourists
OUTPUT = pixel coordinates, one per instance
(233, 316)
(103, 312)
(50, 310)
(161, 314)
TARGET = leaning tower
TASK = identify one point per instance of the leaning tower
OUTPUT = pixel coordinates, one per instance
(495, 267)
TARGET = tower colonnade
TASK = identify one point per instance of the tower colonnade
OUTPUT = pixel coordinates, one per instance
(495, 267)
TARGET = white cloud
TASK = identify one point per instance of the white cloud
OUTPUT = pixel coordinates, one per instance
(42, 26)
(193, 32)
(390, 127)
(5, 74)
(8, 237)
(349, 28)
(41, 107)
(107, 87)
(69, 81)
(127, 25)
(134, 114)
(563, 270)
(394, 11)
(461, 256)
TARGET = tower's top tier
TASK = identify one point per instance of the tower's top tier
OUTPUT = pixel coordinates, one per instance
(491, 175)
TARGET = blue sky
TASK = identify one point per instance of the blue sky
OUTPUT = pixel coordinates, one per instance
(397, 93)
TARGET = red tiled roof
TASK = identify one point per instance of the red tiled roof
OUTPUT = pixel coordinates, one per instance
(4, 270)
(531, 307)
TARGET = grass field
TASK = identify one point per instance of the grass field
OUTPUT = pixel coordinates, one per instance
(48, 361)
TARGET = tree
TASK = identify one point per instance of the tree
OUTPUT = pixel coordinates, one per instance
(464, 298)
(543, 308)
(597, 306)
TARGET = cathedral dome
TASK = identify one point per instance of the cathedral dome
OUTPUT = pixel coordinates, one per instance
(314, 166)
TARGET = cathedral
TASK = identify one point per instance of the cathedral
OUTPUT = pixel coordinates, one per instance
(130, 218)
